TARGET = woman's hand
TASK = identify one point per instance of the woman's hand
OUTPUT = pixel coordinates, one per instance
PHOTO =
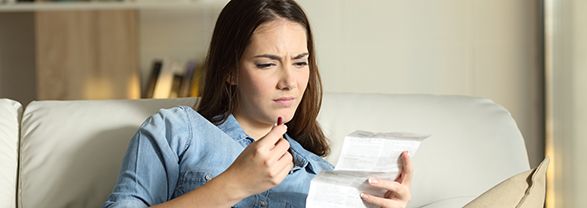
(262, 165)
(398, 192)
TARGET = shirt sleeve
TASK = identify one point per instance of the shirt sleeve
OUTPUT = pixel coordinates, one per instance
(150, 168)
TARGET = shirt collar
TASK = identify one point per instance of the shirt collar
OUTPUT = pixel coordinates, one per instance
(300, 155)
(233, 129)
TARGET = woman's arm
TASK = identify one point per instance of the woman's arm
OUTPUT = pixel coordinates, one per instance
(150, 168)
(218, 192)
(261, 166)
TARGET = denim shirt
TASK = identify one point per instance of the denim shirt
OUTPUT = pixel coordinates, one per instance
(177, 150)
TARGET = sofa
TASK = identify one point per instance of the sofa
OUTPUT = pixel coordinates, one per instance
(68, 153)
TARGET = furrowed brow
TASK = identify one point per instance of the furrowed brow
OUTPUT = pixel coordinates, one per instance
(269, 56)
(301, 56)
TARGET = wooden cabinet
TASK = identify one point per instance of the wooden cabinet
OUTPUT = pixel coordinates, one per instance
(83, 50)
(87, 54)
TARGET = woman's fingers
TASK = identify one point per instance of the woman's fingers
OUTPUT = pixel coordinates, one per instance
(281, 147)
(286, 164)
(397, 194)
(405, 177)
(382, 202)
(286, 161)
(278, 151)
(280, 169)
(269, 140)
(400, 191)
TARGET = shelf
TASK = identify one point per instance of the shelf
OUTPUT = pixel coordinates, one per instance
(56, 6)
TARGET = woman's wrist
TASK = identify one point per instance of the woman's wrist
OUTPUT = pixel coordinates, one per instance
(229, 187)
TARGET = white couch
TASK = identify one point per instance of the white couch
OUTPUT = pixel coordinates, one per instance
(68, 153)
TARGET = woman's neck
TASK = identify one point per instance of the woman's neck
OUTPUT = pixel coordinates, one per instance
(253, 128)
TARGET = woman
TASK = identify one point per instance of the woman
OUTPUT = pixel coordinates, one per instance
(254, 140)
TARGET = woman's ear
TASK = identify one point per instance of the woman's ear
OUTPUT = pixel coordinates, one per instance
(232, 79)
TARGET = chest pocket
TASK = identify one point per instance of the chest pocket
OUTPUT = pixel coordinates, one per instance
(276, 204)
(249, 202)
(191, 180)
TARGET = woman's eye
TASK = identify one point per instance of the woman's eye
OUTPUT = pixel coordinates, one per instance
(264, 66)
(301, 64)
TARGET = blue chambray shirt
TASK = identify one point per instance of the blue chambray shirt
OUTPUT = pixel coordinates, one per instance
(178, 150)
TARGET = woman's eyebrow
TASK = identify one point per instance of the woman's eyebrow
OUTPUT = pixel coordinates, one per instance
(301, 56)
(269, 56)
(276, 57)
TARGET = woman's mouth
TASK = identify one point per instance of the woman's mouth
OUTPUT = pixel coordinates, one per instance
(284, 101)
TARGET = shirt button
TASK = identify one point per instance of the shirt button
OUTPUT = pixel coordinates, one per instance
(263, 203)
(207, 177)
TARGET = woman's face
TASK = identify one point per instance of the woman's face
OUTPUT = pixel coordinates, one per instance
(273, 73)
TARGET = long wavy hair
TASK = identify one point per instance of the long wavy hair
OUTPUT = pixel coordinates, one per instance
(232, 33)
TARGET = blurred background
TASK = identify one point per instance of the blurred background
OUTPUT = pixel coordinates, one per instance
(528, 55)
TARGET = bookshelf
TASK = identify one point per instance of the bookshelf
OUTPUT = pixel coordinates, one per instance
(96, 50)
(96, 5)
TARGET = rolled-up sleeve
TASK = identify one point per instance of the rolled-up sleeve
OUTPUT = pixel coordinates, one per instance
(150, 168)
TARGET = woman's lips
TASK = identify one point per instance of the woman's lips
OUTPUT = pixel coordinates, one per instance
(284, 101)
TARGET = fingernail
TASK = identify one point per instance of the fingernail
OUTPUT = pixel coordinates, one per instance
(363, 196)
(279, 120)
(372, 181)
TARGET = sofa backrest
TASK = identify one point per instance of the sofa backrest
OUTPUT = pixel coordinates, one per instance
(70, 151)
(474, 143)
(10, 112)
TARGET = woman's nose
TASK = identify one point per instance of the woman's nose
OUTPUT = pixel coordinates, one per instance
(286, 79)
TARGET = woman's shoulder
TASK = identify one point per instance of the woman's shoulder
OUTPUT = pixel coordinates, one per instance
(171, 122)
(182, 119)
(178, 127)
(177, 113)
(176, 117)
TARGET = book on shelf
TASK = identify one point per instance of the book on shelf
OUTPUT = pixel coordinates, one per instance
(30, 1)
(78, 0)
(188, 78)
(165, 81)
(195, 87)
(152, 79)
(176, 85)
(173, 79)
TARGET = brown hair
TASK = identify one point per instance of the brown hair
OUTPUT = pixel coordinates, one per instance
(232, 33)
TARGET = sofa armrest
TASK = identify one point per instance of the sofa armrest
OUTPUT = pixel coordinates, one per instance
(10, 113)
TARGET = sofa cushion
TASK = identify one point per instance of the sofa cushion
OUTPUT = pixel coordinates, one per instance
(524, 190)
(474, 143)
(10, 112)
(71, 151)
(449, 203)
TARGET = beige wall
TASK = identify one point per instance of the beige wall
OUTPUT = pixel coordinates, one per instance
(567, 52)
(479, 48)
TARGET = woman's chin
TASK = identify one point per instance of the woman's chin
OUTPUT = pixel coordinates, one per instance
(285, 116)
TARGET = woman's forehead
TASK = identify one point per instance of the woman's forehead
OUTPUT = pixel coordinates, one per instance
(278, 23)
(279, 36)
